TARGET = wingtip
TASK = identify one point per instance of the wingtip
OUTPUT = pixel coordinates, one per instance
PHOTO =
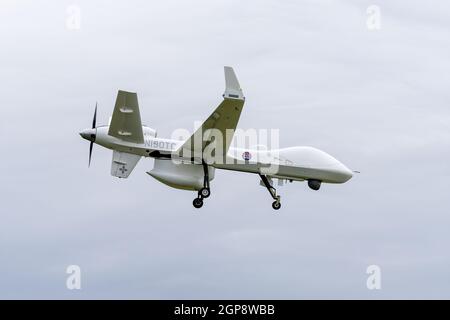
(126, 91)
(232, 86)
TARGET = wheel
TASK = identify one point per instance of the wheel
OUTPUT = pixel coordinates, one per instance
(205, 192)
(198, 203)
(276, 205)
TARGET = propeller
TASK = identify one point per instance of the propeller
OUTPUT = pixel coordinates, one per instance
(91, 146)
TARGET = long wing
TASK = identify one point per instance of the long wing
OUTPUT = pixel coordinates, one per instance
(123, 163)
(222, 122)
(126, 119)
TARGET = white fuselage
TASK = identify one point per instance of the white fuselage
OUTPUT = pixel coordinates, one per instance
(295, 163)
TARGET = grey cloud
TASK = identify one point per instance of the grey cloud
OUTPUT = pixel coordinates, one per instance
(378, 101)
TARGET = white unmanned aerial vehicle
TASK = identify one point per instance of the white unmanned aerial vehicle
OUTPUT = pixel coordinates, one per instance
(190, 164)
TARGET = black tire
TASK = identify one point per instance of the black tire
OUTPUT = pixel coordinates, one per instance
(205, 192)
(198, 203)
(276, 205)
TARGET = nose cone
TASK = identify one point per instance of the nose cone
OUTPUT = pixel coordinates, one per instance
(345, 172)
(88, 134)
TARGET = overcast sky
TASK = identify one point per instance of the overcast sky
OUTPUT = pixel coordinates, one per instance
(376, 99)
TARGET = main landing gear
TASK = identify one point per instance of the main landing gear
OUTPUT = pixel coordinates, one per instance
(204, 192)
(276, 205)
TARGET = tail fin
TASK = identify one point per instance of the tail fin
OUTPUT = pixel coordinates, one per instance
(123, 163)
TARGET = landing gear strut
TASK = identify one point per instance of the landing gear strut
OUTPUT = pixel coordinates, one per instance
(204, 192)
(273, 192)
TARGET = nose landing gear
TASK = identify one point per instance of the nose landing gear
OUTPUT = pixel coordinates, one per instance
(276, 205)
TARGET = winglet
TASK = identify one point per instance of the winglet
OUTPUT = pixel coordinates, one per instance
(232, 88)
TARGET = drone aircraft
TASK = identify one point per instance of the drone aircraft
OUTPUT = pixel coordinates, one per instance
(190, 164)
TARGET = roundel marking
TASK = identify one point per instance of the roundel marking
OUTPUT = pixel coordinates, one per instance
(246, 156)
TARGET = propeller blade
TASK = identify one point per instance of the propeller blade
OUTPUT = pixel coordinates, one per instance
(90, 152)
(94, 121)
